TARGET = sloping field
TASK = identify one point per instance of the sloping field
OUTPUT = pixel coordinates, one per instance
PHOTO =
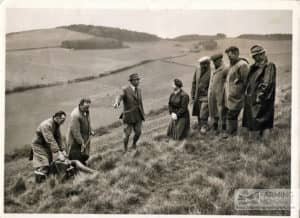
(41, 103)
(42, 38)
(48, 66)
(197, 176)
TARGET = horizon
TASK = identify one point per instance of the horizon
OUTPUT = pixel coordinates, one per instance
(204, 34)
(157, 22)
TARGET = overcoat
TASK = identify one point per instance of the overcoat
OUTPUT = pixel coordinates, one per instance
(216, 91)
(133, 110)
(47, 140)
(260, 97)
(199, 89)
(79, 133)
(235, 85)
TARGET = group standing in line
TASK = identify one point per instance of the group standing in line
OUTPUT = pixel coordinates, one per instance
(218, 95)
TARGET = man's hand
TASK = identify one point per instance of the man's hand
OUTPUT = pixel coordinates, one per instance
(174, 116)
(92, 133)
(64, 153)
(83, 146)
(192, 102)
(61, 156)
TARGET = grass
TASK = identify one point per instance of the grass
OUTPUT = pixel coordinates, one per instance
(198, 176)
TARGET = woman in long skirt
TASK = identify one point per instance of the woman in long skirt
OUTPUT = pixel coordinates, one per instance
(180, 117)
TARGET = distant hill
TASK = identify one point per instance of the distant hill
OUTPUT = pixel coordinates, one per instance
(266, 37)
(114, 33)
(193, 37)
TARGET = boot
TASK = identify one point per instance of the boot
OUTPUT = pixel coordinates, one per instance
(232, 126)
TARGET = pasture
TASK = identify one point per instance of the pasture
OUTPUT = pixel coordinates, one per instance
(198, 176)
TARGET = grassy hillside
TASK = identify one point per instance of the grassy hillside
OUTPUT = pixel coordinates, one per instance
(41, 38)
(114, 33)
(197, 176)
(93, 43)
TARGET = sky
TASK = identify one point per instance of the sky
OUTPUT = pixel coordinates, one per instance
(164, 23)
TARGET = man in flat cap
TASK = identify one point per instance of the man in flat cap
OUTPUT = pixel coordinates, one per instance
(260, 93)
(80, 131)
(199, 93)
(216, 94)
(235, 85)
(133, 111)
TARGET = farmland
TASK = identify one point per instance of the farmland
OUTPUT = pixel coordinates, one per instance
(198, 176)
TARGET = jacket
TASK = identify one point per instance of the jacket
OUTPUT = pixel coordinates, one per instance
(133, 110)
(235, 85)
(199, 89)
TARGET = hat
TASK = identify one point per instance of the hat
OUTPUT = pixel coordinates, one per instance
(178, 83)
(204, 59)
(233, 49)
(257, 49)
(133, 76)
(216, 56)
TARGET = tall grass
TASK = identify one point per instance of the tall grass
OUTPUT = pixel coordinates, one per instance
(196, 176)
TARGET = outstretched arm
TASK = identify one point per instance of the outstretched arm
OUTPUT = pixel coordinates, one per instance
(82, 167)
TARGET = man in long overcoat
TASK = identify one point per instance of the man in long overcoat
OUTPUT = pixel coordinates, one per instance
(235, 85)
(260, 93)
(199, 93)
(216, 105)
(80, 131)
(47, 145)
(133, 111)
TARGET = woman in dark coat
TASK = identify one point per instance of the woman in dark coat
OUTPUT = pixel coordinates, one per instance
(260, 93)
(178, 107)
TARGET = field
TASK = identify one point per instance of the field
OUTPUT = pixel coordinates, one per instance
(197, 176)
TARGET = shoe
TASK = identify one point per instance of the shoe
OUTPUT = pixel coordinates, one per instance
(203, 130)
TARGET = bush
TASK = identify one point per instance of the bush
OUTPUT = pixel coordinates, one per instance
(210, 45)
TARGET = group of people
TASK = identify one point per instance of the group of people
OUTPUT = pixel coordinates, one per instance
(218, 95)
(220, 92)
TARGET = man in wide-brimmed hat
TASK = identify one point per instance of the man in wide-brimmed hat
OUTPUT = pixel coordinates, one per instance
(260, 93)
(133, 113)
(235, 85)
(216, 94)
(199, 93)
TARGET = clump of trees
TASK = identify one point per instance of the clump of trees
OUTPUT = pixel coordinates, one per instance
(266, 36)
(92, 43)
(114, 33)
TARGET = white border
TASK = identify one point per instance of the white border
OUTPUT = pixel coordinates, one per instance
(162, 5)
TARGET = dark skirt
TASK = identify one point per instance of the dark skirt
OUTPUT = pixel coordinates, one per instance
(179, 129)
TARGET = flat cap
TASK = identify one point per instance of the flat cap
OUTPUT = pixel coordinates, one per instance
(216, 56)
(178, 83)
(257, 49)
(232, 48)
(133, 76)
(204, 59)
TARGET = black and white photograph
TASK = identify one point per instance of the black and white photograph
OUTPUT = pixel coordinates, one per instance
(149, 111)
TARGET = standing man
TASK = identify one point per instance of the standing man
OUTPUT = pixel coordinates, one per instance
(133, 114)
(199, 93)
(47, 145)
(216, 93)
(235, 85)
(260, 93)
(79, 132)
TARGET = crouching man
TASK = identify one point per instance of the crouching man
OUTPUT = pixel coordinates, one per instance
(47, 145)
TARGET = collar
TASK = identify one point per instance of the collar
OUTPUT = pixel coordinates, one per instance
(133, 88)
(178, 91)
(261, 64)
(83, 112)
